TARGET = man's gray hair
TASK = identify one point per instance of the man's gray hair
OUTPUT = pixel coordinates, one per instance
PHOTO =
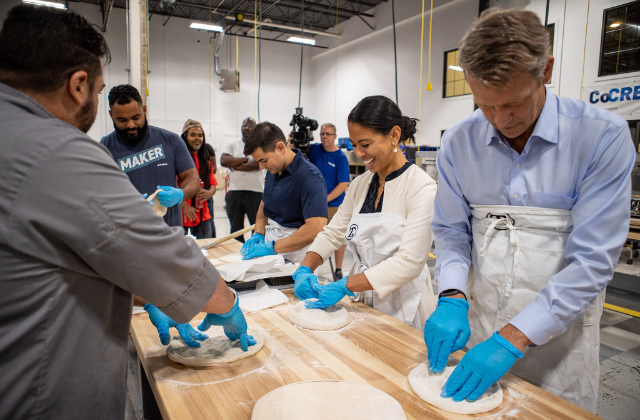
(503, 43)
(333, 127)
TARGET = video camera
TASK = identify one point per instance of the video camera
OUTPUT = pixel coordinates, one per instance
(302, 134)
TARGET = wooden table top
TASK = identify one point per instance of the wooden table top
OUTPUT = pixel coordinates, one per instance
(374, 349)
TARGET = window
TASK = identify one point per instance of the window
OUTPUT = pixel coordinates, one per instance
(551, 29)
(551, 32)
(454, 83)
(620, 46)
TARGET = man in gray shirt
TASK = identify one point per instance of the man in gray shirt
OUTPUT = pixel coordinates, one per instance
(76, 238)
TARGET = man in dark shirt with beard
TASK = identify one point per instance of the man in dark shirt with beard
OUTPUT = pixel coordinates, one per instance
(150, 156)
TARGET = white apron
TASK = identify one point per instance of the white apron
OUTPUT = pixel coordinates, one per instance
(515, 252)
(372, 238)
(273, 232)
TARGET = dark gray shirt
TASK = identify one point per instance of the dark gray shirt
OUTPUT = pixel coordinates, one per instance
(76, 241)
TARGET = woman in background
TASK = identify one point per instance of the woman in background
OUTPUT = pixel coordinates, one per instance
(195, 211)
(214, 166)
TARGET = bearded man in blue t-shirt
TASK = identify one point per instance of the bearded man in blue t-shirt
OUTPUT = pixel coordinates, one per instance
(150, 156)
(334, 166)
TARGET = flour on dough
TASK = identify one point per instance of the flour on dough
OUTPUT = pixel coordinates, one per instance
(215, 350)
(429, 387)
(326, 319)
(158, 208)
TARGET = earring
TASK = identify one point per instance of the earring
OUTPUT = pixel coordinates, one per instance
(395, 149)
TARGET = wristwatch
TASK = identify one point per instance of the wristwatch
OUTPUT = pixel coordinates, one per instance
(451, 292)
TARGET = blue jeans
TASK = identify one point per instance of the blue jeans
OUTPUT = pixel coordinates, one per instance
(201, 231)
(212, 226)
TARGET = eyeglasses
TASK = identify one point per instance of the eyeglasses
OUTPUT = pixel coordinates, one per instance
(327, 134)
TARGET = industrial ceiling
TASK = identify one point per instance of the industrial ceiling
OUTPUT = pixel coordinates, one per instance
(319, 15)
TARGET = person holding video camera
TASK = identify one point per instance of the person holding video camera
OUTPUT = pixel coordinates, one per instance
(294, 206)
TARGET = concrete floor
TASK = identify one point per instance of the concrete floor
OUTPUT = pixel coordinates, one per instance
(619, 393)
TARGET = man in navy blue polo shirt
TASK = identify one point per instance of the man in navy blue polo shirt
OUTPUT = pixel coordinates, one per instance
(294, 204)
(334, 166)
(150, 156)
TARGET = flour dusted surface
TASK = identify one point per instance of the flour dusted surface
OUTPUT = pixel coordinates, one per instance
(429, 387)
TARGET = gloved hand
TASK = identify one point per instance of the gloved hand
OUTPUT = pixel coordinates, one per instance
(169, 196)
(162, 322)
(260, 250)
(304, 281)
(480, 368)
(330, 294)
(235, 326)
(447, 330)
(256, 238)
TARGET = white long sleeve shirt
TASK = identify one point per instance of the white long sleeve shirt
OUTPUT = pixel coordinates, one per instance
(410, 196)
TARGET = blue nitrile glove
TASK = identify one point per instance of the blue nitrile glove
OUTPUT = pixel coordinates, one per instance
(256, 238)
(447, 330)
(330, 294)
(260, 250)
(235, 326)
(304, 281)
(480, 368)
(162, 322)
(169, 196)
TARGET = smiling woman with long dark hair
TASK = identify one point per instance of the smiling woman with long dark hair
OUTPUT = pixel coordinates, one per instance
(195, 212)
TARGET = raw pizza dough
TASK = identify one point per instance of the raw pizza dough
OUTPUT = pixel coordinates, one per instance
(326, 319)
(158, 208)
(227, 259)
(215, 350)
(429, 387)
(335, 400)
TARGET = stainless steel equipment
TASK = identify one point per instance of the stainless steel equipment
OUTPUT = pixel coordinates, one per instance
(427, 161)
(230, 80)
(356, 166)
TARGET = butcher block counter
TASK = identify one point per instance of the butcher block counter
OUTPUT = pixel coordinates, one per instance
(374, 349)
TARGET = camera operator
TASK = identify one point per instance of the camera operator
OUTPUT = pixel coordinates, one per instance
(294, 205)
(301, 136)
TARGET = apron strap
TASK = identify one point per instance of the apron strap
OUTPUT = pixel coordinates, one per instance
(513, 240)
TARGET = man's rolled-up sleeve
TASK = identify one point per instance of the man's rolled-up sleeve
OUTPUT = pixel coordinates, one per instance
(85, 216)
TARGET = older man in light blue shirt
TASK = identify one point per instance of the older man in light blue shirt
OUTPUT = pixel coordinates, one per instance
(531, 214)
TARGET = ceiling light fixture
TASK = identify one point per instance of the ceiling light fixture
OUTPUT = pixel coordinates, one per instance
(202, 26)
(615, 25)
(456, 68)
(302, 40)
(46, 3)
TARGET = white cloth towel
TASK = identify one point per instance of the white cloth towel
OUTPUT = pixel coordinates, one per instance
(261, 299)
(242, 270)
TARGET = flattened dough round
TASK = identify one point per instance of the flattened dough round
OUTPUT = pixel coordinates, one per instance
(429, 387)
(215, 350)
(326, 319)
(336, 400)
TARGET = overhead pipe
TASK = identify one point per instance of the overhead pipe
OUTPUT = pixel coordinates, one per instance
(291, 28)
